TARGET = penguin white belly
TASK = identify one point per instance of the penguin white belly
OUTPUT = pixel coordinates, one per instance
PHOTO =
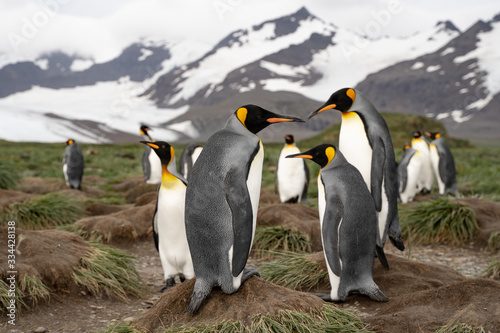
(354, 145)
(334, 279)
(155, 168)
(65, 172)
(173, 245)
(196, 154)
(254, 181)
(434, 157)
(412, 173)
(291, 174)
(426, 174)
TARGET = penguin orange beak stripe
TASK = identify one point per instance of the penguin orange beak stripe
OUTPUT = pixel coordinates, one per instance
(278, 120)
(328, 107)
(152, 145)
(309, 157)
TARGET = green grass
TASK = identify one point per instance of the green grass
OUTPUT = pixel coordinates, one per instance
(119, 328)
(110, 271)
(494, 241)
(460, 328)
(45, 211)
(493, 269)
(441, 220)
(9, 176)
(294, 271)
(280, 239)
(29, 291)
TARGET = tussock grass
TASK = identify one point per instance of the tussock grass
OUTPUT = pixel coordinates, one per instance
(45, 211)
(439, 221)
(9, 176)
(272, 239)
(27, 288)
(329, 319)
(460, 328)
(493, 269)
(109, 271)
(119, 328)
(293, 270)
(494, 241)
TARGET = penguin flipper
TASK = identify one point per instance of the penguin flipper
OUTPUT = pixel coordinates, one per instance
(303, 198)
(377, 172)
(146, 167)
(155, 226)
(330, 232)
(381, 256)
(238, 199)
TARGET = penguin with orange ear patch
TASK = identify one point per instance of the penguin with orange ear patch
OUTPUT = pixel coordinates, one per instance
(366, 143)
(222, 201)
(73, 165)
(348, 225)
(169, 229)
(443, 164)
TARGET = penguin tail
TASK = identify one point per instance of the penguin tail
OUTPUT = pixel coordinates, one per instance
(200, 293)
(381, 256)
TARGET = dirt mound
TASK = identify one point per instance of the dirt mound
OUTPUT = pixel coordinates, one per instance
(38, 185)
(134, 193)
(8, 197)
(122, 227)
(51, 255)
(297, 216)
(423, 297)
(128, 183)
(488, 219)
(96, 209)
(267, 197)
(255, 297)
(146, 198)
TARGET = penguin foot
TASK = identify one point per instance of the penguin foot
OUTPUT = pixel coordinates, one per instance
(248, 273)
(200, 293)
(168, 284)
(375, 294)
(324, 297)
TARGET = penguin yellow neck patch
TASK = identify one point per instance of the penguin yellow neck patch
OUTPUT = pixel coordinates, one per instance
(242, 115)
(330, 154)
(167, 179)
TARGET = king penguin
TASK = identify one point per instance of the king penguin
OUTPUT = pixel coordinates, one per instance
(348, 222)
(443, 164)
(188, 157)
(292, 176)
(409, 172)
(426, 178)
(151, 164)
(169, 230)
(366, 143)
(73, 165)
(222, 201)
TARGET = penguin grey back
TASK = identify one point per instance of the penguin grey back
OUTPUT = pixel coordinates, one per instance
(73, 159)
(402, 167)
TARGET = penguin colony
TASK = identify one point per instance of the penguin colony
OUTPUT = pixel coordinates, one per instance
(206, 229)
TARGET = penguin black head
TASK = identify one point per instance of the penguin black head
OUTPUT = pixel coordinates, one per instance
(70, 142)
(144, 129)
(255, 118)
(289, 139)
(340, 100)
(322, 154)
(417, 134)
(433, 135)
(163, 149)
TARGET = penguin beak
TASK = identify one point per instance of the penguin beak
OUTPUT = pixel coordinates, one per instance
(281, 119)
(300, 155)
(321, 109)
(152, 145)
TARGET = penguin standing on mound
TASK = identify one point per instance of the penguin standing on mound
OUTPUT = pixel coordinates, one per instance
(366, 143)
(73, 165)
(443, 164)
(348, 222)
(409, 172)
(188, 157)
(222, 201)
(169, 230)
(292, 176)
(426, 178)
(151, 164)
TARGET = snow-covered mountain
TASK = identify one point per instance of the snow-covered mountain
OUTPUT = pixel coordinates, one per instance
(291, 64)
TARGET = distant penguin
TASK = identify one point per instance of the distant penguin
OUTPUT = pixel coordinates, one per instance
(188, 158)
(169, 229)
(151, 165)
(73, 165)
(426, 179)
(292, 176)
(222, 201)
(348, 225)
(443, 164)
(366, 143)
(409, 172)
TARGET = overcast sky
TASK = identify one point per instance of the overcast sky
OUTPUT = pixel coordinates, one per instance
(102, 28)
